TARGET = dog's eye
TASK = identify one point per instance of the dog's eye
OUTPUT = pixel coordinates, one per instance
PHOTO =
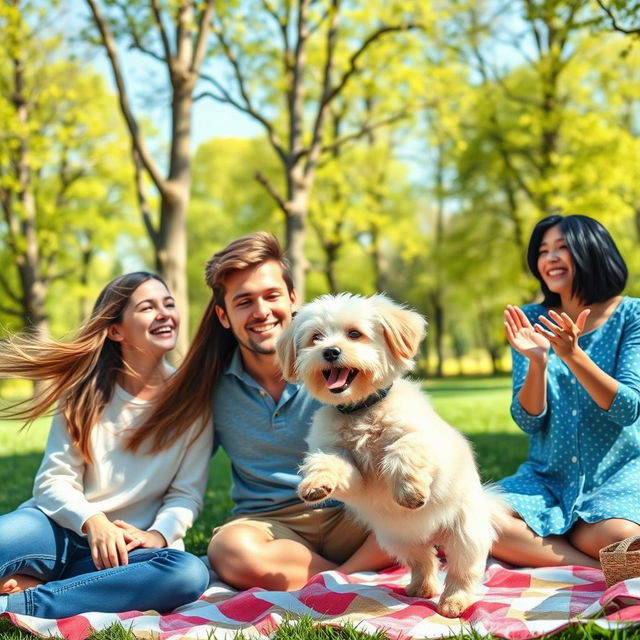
(316, 337)
(354, 335)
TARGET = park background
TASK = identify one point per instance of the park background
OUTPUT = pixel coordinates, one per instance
(403, 146)
(406, 146)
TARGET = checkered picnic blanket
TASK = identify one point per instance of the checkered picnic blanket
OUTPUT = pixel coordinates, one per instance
(512, 603)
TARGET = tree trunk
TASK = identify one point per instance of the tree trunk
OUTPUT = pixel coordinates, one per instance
(183, 62)
(171, 252)
(34, 288)
(426, 354)
(85, 304)
(297, 205)
(437, 326)
(332, 256)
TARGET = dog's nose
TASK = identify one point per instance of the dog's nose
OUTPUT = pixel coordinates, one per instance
(331, 354)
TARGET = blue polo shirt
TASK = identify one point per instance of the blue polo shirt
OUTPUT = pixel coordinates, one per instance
(264, 440)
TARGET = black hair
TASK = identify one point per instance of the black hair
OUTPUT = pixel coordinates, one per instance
(600, 270)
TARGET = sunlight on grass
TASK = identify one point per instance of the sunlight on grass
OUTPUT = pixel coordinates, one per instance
(478, 406)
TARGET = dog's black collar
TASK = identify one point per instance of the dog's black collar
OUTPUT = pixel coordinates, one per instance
(369, 401)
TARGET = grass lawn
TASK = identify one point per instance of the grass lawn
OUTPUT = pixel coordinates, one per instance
(478, 406)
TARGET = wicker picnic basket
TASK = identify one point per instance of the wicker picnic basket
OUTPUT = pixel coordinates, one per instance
(621, 560)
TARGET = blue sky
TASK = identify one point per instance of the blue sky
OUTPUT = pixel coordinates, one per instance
(146, 84)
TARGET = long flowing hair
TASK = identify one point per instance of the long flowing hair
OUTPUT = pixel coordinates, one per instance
(187, 396)
(81, 373)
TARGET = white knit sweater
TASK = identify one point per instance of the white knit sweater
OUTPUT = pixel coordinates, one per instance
(161, 491)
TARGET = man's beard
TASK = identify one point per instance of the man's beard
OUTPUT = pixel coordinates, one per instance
(256, 348)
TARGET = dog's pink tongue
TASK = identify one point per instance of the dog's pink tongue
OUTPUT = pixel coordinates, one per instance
(337, 377)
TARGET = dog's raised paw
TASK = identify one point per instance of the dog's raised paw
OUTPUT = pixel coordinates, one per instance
(410, 499)
(315, 494)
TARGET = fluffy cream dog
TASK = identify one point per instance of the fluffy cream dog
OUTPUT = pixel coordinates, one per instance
(381, 448)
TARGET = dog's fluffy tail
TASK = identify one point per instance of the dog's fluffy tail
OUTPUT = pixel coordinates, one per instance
(498, 508)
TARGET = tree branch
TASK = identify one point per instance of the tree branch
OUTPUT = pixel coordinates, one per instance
(200, 47)
(63, 275)
(10, 312)
(136, 41)
(265, 182)
(536, 33)
(4, 283)
(314, 27)
(614, 23)
(366, 128)
(237, 72)
(142, 201)
(157, 16)
(138, 142)
(284, 34)
(332, 35)
(67, 178)
(353, 60)
(226, 98)
(295, 87)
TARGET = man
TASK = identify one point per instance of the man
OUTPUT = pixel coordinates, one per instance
(273, 540)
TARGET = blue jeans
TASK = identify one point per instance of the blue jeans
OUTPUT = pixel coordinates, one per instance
(33, 544)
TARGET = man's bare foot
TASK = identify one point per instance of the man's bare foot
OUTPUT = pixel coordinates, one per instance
(16, 583)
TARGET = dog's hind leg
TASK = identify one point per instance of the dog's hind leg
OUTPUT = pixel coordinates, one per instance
(424, 573)
(466, 562)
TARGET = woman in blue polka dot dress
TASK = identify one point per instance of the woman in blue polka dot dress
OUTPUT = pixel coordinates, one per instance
(576, 392)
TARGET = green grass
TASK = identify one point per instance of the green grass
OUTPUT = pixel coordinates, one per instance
(478, 406)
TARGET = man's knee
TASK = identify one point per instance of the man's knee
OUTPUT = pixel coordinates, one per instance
(234, 554)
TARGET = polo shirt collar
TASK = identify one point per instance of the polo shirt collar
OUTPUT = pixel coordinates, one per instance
(236, 368)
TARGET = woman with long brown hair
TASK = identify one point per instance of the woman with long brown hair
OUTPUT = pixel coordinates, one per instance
(103, 530)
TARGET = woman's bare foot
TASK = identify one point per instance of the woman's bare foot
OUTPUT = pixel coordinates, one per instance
(16, 583)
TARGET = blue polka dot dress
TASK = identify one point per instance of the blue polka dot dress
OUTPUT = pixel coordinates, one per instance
(584, 462)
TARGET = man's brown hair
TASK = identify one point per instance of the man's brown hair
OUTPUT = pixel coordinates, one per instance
(188, 396)
(245, 253)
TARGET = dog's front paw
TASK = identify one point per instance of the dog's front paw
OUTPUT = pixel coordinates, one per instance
(315, 488)
(410, 497)
(452, 606)
(423, 587)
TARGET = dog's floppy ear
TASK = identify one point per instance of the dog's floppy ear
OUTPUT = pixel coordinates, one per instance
(403, 328)
(287, 353)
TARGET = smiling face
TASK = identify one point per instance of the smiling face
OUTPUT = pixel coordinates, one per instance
(345, 348)
(555, 263)
(341, 350)
(149, 323)
(258, 306)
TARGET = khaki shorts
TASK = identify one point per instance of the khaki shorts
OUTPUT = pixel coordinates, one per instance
(331, 532)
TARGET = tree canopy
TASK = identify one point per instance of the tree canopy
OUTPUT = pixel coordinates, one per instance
(405, 147)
